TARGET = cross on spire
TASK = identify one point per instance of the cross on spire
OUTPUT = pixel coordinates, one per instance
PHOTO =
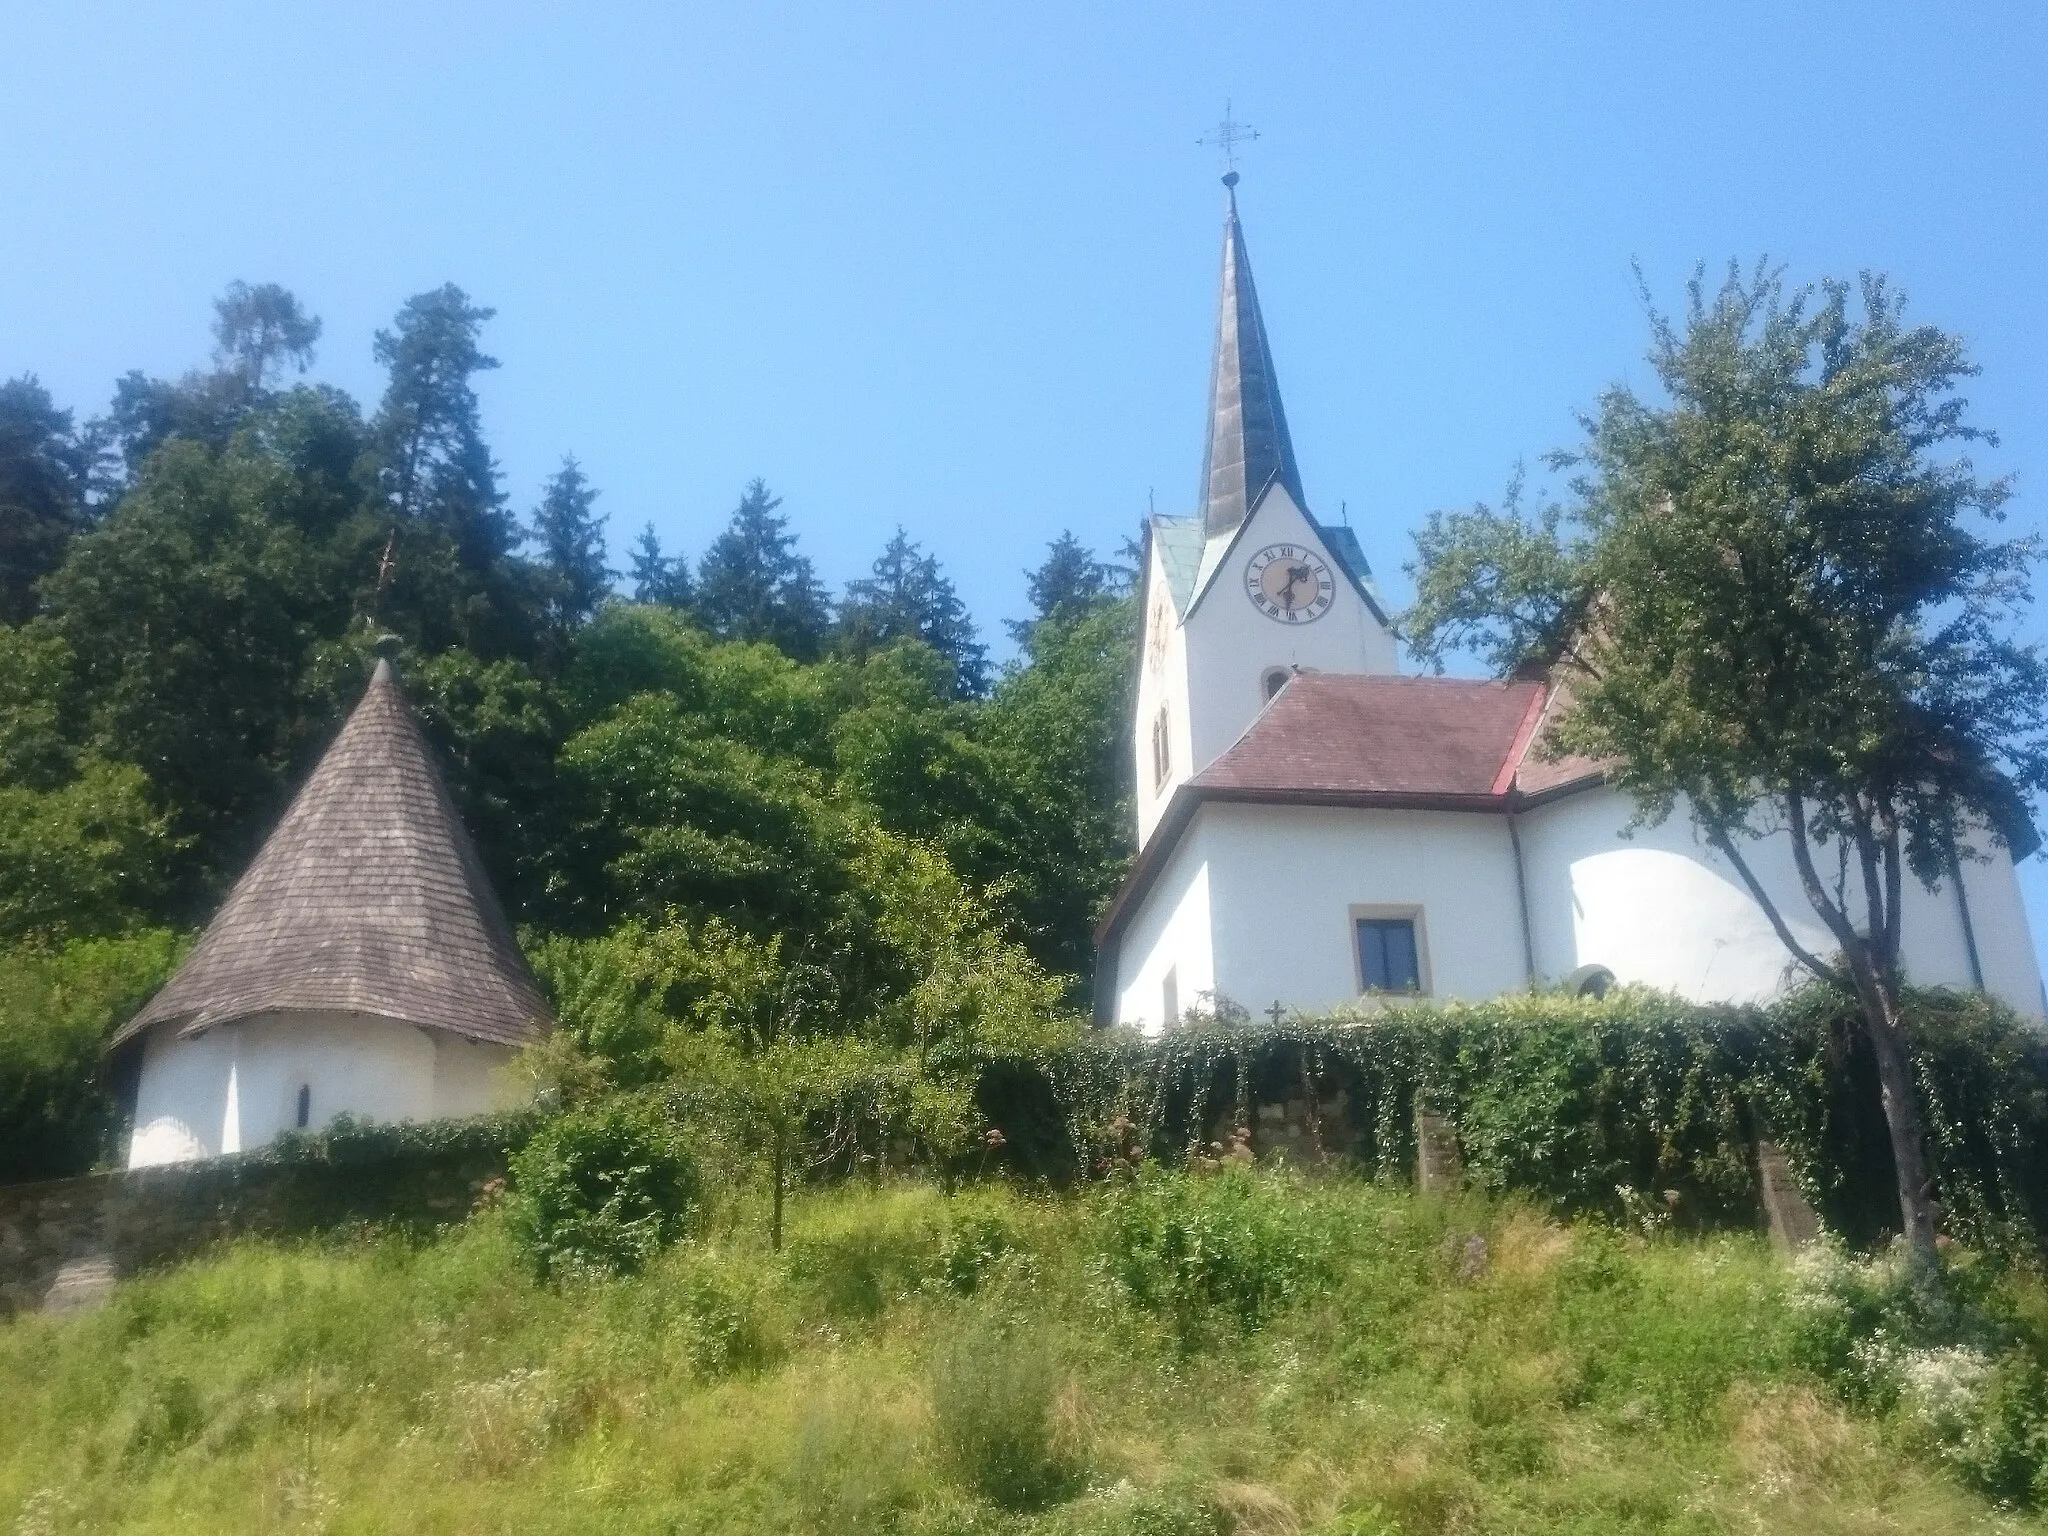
(1226, 136)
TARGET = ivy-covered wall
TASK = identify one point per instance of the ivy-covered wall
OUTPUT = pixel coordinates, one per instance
(1636, 1106)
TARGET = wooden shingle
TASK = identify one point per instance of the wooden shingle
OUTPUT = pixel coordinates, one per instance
(369, 898)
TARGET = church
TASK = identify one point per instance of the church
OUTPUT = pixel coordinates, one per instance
(1316, 830)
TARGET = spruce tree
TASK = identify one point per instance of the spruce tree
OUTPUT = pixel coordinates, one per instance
(42, 475)
(1070, 584)
(907, 596)
(753, 585)
(570, 538)
(658, 578)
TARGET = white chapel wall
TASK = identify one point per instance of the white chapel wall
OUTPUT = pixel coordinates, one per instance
(235, 1087)
(1284, 882)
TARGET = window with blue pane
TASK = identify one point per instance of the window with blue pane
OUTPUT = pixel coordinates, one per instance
(1386, 954)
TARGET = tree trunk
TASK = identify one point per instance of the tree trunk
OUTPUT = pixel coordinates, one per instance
(1902, 1119)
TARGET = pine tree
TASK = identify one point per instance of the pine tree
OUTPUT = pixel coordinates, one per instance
(570, 537)
(907, 596)
(753, 585)
(659, 578)
(432, 463)
(257, 330)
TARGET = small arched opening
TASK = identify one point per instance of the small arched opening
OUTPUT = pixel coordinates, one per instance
(1272, 680)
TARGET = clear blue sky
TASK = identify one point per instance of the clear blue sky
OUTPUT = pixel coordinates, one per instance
(953, 265)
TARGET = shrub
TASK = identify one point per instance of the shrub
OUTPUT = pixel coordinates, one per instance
(603, 1189)
(993, 1394)
(1234, 1248)
(1958, 1377)
(57, 1008)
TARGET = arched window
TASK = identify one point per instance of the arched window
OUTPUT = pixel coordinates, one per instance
(305, 1105)
(1273, 679)
(1162, 752)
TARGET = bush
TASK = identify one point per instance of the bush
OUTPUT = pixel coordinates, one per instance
(1959, 1378)
(1233, 1248)
(603, 1189)
(993, 1394)
(57, 1008)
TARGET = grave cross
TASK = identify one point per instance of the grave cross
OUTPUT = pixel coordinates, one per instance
(1276, 1013)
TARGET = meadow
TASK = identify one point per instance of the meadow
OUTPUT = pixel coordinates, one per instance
(1166, 1356)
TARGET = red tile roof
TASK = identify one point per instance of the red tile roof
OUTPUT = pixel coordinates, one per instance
(1390, 739)
(1380, 735)
(1420, 743)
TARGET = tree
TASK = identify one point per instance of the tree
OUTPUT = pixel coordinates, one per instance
(42, 492)
(257, 330)
(908, 597)
(1070, 584)
(753, 585)
(432, 461)
(574, 578)
(1786, 624)
(659, 578)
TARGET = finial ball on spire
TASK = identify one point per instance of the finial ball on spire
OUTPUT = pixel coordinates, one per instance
(1230, 179)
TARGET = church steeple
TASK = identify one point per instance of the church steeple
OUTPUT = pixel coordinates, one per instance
(1248, 442)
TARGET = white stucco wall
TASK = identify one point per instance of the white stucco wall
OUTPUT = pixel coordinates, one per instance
(1662, 908)
(1173, 933)
(1231, 645)
(1162, 680)
(1207, 667)
(233, 1088)
(1278, 888)
(1257, 904)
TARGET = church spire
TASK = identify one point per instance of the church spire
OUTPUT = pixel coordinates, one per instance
(1248, 442)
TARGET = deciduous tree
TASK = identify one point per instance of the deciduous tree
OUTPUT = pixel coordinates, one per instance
(1775, 607)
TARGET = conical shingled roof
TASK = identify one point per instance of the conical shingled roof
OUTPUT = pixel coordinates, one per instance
(1248, 441)
(368, 898)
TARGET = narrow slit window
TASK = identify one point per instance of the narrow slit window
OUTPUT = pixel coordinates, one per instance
(305, 1105)
(1162, 754)
(1387, 959)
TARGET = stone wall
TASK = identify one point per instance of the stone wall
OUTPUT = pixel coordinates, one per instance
(63, 1242)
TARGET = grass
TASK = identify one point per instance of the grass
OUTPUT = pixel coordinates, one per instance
(1099, 1365)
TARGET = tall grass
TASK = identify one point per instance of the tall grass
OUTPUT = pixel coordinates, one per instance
(1114, 1363)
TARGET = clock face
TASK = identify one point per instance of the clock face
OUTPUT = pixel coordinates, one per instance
(1290, 584)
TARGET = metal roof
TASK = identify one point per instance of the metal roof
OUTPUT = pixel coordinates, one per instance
(1248, 442)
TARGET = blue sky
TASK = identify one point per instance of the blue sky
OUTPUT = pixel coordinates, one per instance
(953, 266)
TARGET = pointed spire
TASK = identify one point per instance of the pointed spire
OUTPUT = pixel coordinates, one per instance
(1248, 442)
(368, 898)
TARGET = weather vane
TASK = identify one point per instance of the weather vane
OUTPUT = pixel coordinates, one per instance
(1226, 136)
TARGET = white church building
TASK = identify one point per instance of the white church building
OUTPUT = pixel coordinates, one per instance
(1315, 828)
(361, 966)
